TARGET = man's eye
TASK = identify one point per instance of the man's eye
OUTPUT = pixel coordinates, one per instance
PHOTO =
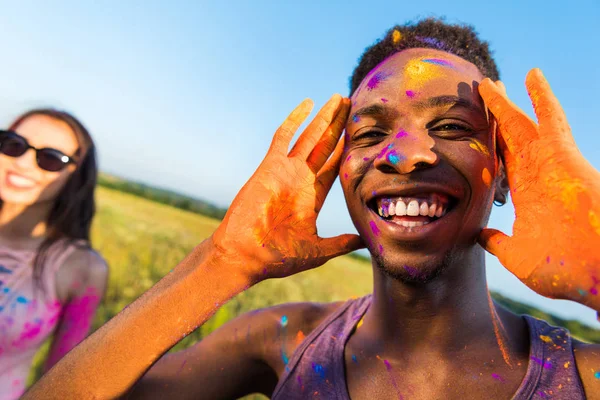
(370, 135)
(451, 127)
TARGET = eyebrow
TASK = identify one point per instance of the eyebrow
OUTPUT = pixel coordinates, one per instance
(441, 101)
(377, 111)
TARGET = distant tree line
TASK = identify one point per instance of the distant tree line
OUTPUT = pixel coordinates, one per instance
(163, 196)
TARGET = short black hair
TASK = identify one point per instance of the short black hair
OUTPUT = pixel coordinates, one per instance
(433, 33)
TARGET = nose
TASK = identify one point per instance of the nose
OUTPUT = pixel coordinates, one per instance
(407, 152)
(26, 160)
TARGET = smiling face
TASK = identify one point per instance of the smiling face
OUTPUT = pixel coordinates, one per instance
(22, 181)
(419, 165)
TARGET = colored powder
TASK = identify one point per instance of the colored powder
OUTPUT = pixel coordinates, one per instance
(582, 292)
(300, 337)
(284, 357)
(597, 375)
(546, 339)
(21, 300)
(4, 270)
(385, 149)
(486, 177)
(318, 368)
(349, 157)
(380, 248)
(497, 377)
(384, 100)
(396, 36)
(376, 79)
(417, 73)
(6, 290)
(410, 93)
(365, 159)
(432, 41)
(345, 175)
(374, 228)
(438, 61)
(360, 322)
(498, 331)
(480, 147)
(594, 221)
(354, 358)
(355, 118)
(387, 365)
(594, 291)
(567, 364)
(284, 320)
(402, 133)
(546, 364)
(548, 259)
(393, 157)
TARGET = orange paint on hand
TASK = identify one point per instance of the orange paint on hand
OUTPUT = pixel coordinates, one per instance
(556, 196)
(300, 337)
(486, 177)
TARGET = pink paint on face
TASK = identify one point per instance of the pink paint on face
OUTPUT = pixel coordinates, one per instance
(384, 100)
(402, 133)
(348, 158)
(374, 228)
(410, 93)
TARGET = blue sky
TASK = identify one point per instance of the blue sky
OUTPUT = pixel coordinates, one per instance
(187, 95)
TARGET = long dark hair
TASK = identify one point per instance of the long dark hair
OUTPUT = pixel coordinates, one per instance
(71, 215)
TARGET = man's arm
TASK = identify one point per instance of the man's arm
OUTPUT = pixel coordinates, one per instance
(587, 357)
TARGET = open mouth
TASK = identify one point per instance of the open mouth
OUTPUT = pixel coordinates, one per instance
(412, 211)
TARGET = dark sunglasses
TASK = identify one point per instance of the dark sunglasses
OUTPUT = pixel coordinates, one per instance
(14, 145)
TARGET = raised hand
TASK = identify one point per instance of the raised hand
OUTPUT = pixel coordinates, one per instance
(271, 223)
(555, 246)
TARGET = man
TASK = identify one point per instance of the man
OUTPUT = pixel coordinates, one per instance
(419, 169)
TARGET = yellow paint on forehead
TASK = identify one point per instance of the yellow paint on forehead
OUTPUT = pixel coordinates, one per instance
(417, 73)
(480, 147)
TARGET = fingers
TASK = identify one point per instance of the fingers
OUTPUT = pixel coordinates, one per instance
(550, 115)
(287, 130)
(336, 246)
(327, 175)
(330, 138)
(313, 132)
(495, 242)
(515, 127)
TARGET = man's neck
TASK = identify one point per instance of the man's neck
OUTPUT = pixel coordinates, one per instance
(440, 317)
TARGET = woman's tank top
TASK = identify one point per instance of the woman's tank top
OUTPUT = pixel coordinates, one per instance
(28, 315)
(317, 371)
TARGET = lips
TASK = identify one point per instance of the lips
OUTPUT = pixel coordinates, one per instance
(412, 207)
(19, 181)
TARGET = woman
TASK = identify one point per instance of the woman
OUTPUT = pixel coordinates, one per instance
(51, 281)
(428, 135)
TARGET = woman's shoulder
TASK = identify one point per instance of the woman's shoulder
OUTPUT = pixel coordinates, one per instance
(81, 267)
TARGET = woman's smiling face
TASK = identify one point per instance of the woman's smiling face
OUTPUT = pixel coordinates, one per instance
(420, 164)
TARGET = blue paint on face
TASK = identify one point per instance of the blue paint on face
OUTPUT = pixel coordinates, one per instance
(4, 270)
(284, 320)
(354, 358)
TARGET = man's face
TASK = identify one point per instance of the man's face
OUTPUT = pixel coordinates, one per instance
(419, 165)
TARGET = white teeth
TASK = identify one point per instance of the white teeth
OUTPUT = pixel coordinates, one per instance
(413, 208)
(392, 209)
(400, 208)
(438, 212)
(20, 181)
(424, 209)
(432, 210)
(411, 224)
(380, 211)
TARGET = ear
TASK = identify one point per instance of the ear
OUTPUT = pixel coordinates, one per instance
(501, 183)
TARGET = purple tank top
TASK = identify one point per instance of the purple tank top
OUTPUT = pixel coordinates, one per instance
(316, 369)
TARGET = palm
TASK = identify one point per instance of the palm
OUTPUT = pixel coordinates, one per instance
(554, 192)
(272, 221)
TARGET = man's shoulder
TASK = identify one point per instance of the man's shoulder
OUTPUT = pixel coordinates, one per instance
(587, 357)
